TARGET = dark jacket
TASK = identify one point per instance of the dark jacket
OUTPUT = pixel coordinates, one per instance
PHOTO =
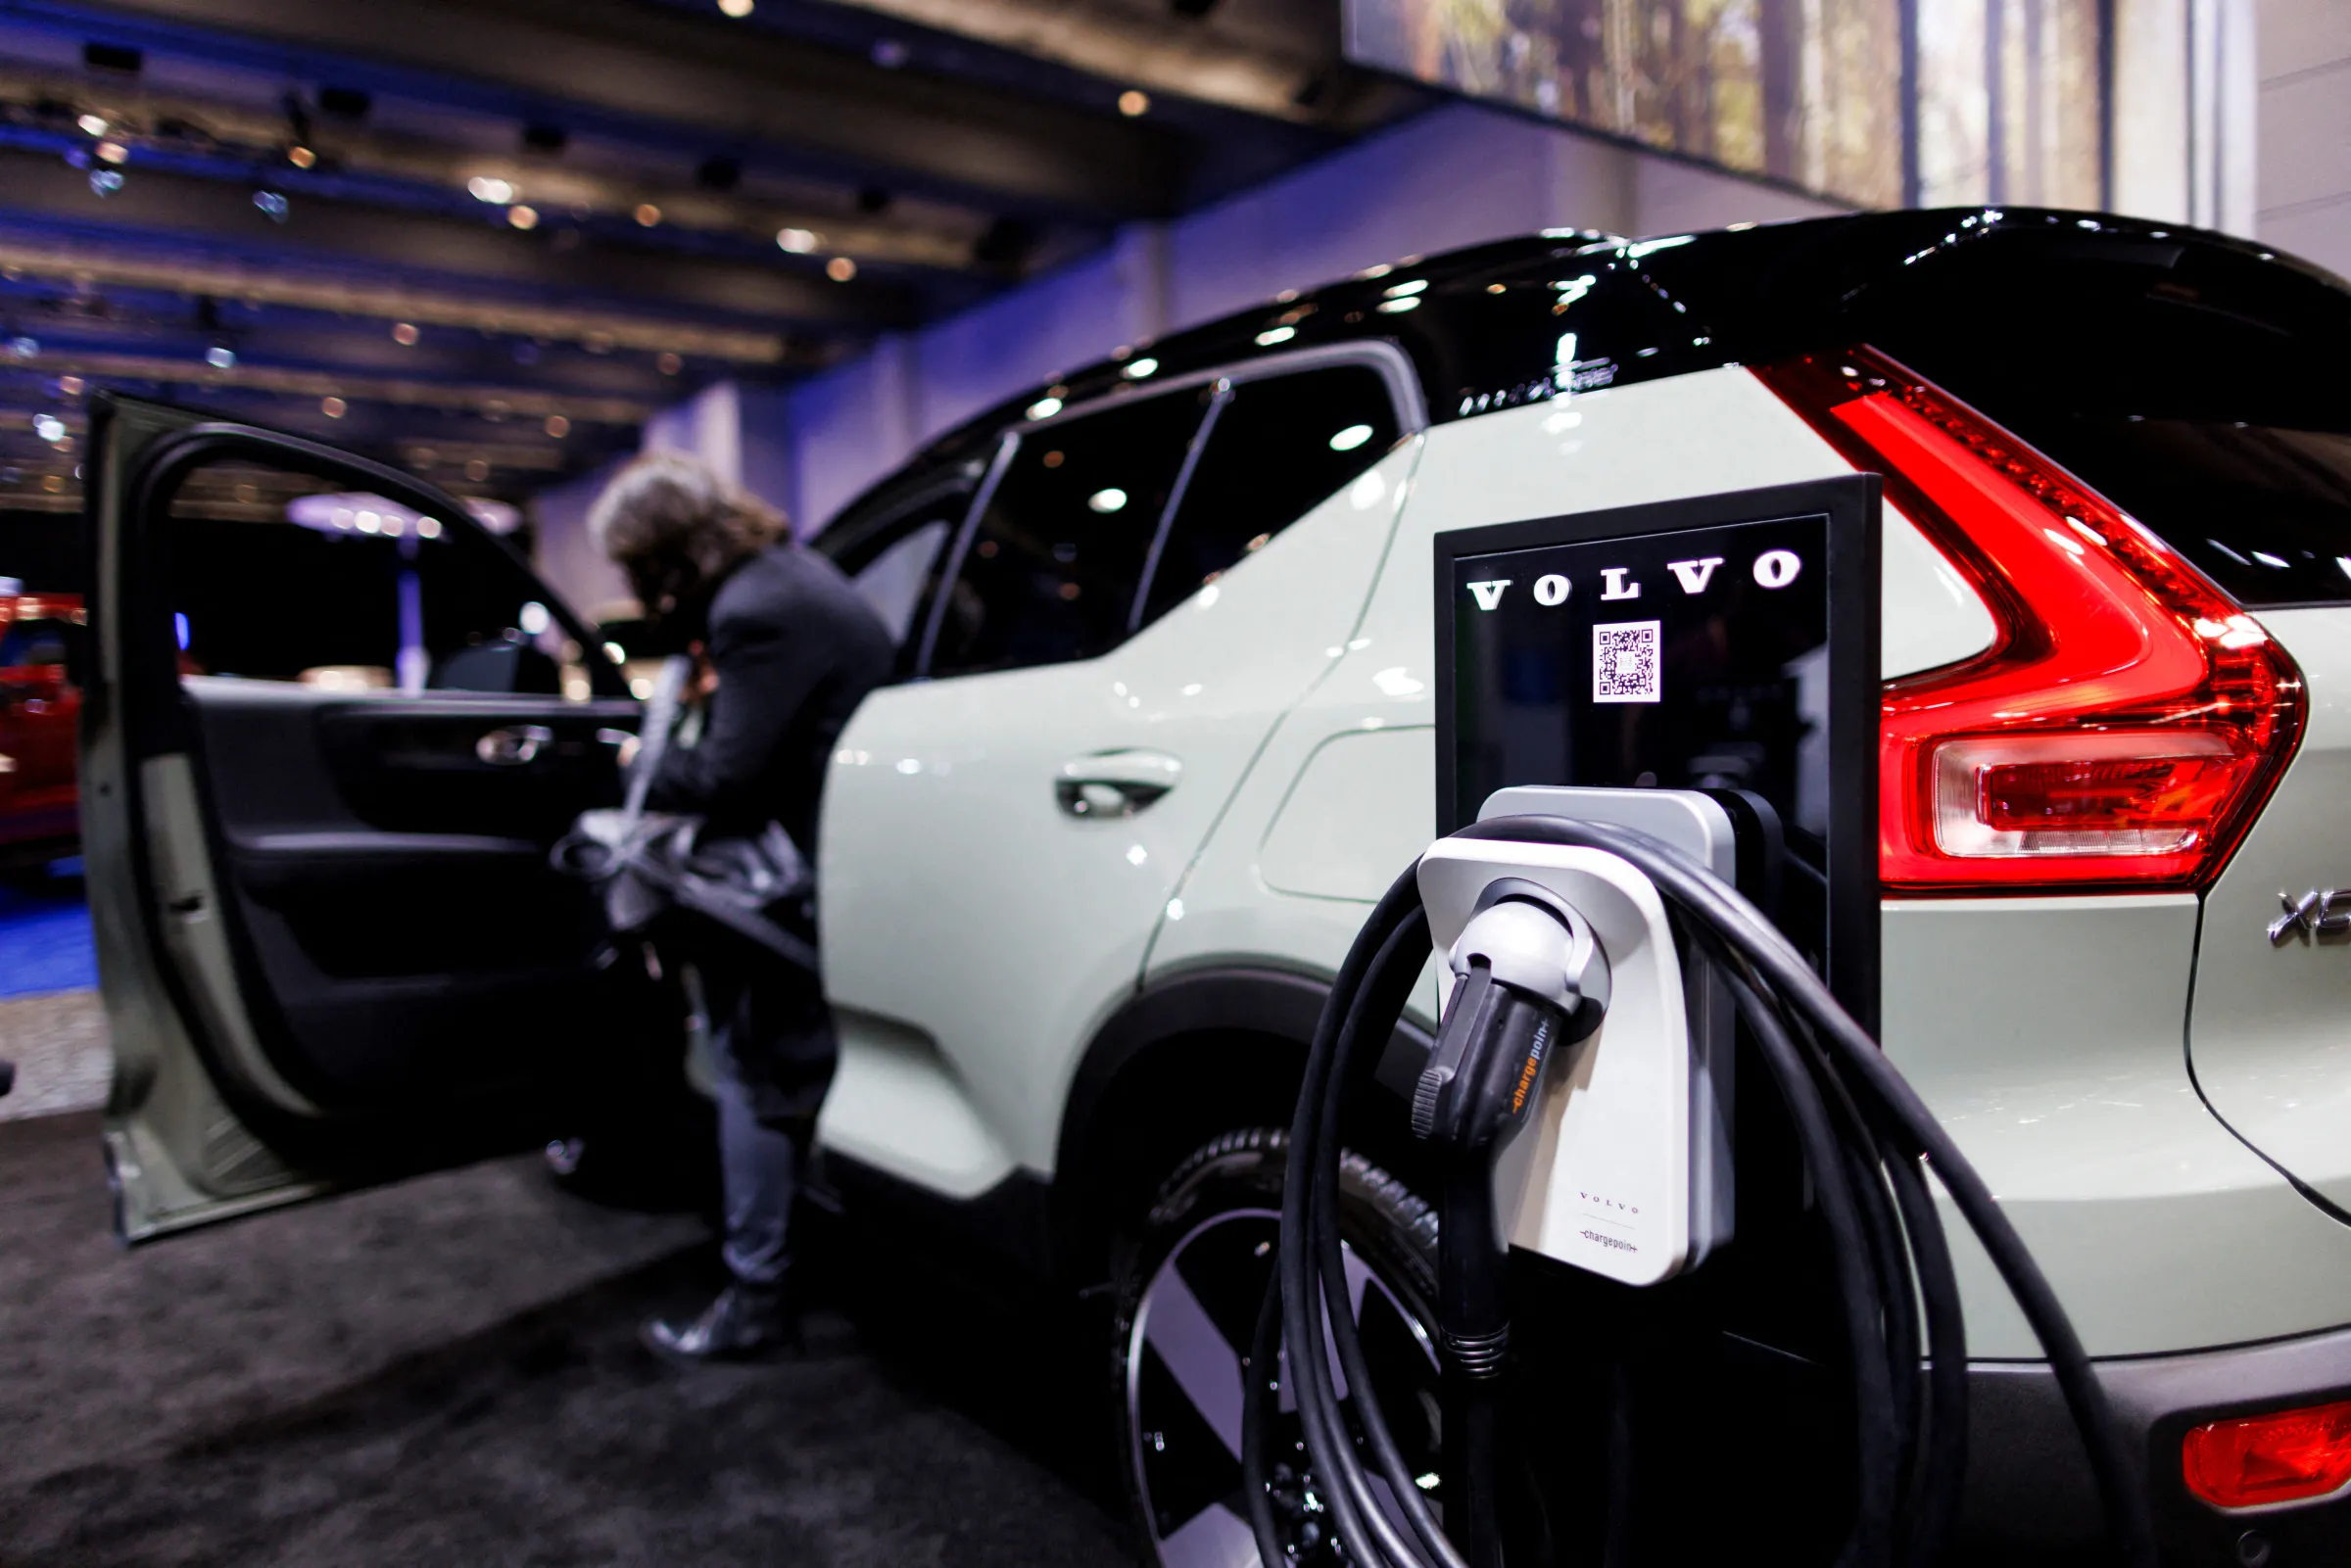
(796, 650)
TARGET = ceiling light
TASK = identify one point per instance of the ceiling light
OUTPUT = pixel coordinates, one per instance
(840, 269)
(477, 469)
(522, 216)
(113, 152)
(273, 203)
(648, 214)
(220, 357)
(558, 426)
(1399, 290)
(1048, 407)
(1272, 335)
(49, 427)
(333, 407)
(1107, 500)
(1411, 301)
(404, 333)
(92, 125)
(669, 364)
(1141, 368)
(1351, 438)
(490, 188)
(301, 157)
(798, 241)
(1133, 102)
(738, 9)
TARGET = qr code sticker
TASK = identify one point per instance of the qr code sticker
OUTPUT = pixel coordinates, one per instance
(1624, 662)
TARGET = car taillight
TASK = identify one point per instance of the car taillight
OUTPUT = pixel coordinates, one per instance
(2283, 1458)
(2128, 719)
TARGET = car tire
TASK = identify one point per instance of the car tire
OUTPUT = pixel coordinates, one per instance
(1189, 1279)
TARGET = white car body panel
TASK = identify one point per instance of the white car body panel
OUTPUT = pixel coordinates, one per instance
(963, 906)
(2270, 1038)
(1690, 435)
(2103, 1141)
(2045, 1035)
(1300, 697)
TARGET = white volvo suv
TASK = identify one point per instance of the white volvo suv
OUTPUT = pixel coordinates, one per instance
(1167, 726)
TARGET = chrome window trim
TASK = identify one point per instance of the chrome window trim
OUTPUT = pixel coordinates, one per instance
(1394, 365)
(952, 569)
(1166, 514)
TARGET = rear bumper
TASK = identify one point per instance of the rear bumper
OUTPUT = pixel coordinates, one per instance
(2029, 1489)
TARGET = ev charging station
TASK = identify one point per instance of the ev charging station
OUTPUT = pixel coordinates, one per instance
(1703, 670)
(1655, 876)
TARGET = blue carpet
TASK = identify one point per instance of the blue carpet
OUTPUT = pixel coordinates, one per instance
(45, 934)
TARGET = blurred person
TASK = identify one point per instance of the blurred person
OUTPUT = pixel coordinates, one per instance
(785, 651)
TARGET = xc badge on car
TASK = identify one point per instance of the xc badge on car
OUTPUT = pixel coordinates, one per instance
(2321, 912)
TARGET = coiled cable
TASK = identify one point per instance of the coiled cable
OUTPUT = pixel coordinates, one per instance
(1868, 1143)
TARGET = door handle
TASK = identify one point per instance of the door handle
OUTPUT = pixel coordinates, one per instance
(1115, 783)
(513, 746)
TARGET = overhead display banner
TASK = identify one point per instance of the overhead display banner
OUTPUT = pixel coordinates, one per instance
(1876, 103)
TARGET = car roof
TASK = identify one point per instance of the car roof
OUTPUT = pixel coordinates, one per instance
(1491, 325)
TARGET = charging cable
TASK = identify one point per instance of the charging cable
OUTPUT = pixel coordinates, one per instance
(1529, 978)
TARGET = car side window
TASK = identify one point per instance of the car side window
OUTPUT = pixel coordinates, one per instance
(892, 582)
(275, 576)
(1058, 554)
(1279, 446)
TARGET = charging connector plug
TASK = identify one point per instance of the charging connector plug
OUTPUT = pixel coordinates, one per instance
(1529, 979)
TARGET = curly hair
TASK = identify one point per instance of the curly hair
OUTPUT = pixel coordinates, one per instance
(677, 529)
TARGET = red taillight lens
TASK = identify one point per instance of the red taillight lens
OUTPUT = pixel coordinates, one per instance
(2283, 1458)
(2128, 719)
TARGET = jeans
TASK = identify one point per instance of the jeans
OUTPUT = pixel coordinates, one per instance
(773, 1048)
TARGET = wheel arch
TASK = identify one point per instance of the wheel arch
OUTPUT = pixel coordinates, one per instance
(1185, 1058)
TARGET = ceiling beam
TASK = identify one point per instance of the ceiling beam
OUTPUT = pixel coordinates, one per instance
(699, 76)
(101, 369)
(85, 264)
(1276, 59)
(186, 132)
(208, 213)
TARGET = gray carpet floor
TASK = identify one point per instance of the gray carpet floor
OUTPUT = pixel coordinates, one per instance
(446, 1372)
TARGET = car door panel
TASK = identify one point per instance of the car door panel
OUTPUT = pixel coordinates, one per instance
(394, 886)
(964, 903)
(331, 943)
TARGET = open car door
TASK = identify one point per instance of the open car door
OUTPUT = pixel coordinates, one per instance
(332, 729)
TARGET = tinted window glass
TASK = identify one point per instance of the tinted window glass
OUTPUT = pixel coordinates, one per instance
(893, 582)
(277, 576)
(2200, 390)
(1054, 564)
(1278, 446)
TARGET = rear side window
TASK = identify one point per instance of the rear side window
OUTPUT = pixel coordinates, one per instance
(2200, 390)
(1058, 555)
(894, 581)
(1278, 447)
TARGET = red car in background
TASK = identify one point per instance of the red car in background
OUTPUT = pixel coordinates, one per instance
(40, 715)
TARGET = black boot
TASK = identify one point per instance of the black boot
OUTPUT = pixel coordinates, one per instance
(745, 1321)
